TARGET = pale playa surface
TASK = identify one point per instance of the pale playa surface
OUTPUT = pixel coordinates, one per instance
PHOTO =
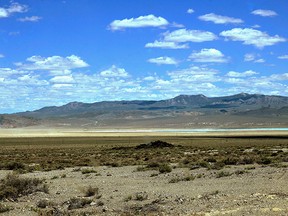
(25, 132)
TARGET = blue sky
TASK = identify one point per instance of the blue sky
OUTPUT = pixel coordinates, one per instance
(54, 52)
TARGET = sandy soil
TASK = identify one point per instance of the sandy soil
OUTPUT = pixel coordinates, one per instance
(259, 191)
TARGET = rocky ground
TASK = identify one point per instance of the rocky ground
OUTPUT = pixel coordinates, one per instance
(234, 190)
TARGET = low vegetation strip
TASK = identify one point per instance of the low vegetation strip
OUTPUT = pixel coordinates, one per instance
(28, 155)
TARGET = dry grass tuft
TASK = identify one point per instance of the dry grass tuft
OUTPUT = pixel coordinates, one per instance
(13, 186)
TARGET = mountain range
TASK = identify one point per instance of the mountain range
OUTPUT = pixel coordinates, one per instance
(183, 111)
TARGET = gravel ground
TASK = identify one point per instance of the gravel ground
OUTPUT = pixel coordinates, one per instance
(125, 191)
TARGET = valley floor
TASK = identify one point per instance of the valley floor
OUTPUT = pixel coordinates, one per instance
(220, 174)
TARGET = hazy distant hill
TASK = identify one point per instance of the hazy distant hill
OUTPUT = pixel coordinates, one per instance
(181, 111)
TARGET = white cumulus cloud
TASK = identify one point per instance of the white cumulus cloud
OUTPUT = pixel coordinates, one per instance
(194, 74)
(62, 86)
(239, 74)
(149, 78)
(115, 72)
(264, 13)
(252, 37)
(249, 57)
(208, 55)
(259, 60)
(283, 57)
(218, 19)
(141, 21)
(53, 63)
(62, 79)
(279, 76)
(9, 72)
(166, 45)
(190, 11)
(30, 19)
(184, 35)
(14, 8)
(31, 80)
(163, 60)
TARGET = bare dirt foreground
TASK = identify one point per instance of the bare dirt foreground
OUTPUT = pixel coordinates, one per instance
(193, 177)
(262, 191)
(122, 191)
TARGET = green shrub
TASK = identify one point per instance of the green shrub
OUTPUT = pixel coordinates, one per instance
(4, 208)
(218, 165)
(250, 168)
(223, 174)
(211, 160)
(12, 186)
(266, 160)
(248, 160)
(87, 171)
(141, 168)
(185, 178)
(240, 172)
(128, 198)
(54, 177)
(141, 196)
(15, 166)
(204, 164)
(91, 191)
(175, 180)
(153, 165)
(165, 168)
(189, 178)
(42, 203)
(100, 203)
(76, 203)
(231, 161)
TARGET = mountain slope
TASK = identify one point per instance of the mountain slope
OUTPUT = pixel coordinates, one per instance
(181, 111)
(239, 102)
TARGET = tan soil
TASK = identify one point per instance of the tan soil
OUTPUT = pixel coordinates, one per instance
(260, 191)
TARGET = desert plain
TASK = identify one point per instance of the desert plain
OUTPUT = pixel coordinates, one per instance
(142, 172)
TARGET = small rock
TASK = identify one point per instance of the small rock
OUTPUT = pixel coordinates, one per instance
(93, 203)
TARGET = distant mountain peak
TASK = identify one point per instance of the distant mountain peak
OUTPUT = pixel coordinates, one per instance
(188, 102)
(74, 104)
(180, 110)
(189, 96)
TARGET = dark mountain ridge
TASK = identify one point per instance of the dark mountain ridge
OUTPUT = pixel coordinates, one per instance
(239, 102)
(196, 110)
